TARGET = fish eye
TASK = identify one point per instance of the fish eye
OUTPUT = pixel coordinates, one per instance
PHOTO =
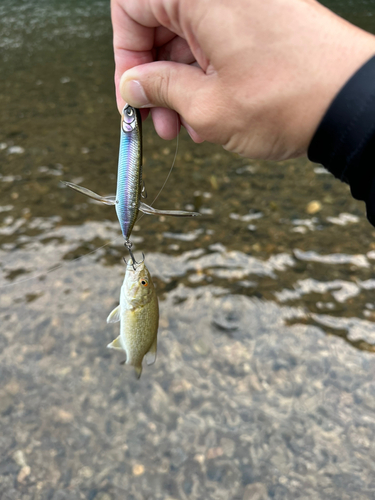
(129, 111)
(144, 282)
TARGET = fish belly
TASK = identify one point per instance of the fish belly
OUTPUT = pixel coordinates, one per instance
(139, 328)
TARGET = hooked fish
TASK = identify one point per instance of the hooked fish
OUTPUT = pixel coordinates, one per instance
(130, 185)
(138, 314)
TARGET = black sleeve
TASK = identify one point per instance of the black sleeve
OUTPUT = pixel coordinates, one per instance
(344, 142)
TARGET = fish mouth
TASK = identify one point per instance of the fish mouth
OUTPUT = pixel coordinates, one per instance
(132, 264)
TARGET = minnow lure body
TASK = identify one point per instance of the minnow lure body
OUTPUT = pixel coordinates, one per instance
(129, 173)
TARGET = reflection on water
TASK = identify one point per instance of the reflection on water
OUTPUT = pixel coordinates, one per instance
(264, 383)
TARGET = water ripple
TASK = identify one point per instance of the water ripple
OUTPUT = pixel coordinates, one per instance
(337, 258)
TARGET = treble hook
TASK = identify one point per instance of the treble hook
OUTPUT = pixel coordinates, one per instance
(128, 245)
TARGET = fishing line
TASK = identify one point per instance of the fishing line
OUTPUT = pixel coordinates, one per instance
(54, 268)
(170, 170)
(169, 173)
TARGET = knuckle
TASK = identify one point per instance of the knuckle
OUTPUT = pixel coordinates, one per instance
(162, 89)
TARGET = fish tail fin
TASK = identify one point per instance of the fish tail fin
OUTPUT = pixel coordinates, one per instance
(151, 354)
(138, 371)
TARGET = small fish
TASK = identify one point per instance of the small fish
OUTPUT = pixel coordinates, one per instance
(138, 313)
(130, 185)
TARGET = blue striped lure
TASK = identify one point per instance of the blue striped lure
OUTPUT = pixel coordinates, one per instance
(130, 185)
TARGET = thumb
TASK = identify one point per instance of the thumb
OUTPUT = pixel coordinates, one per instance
(162, 84)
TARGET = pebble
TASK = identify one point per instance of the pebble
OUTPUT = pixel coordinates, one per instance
(16, 150)
(255, 491)
(86, 472)
(103, 496)
(6, 403)
(313, 207)
(63, 417)
(199, 458)
(214, 452)
(214, 183)
(19, 458)
(138, 469)
(228, 446)
(201, 347)
(23, 474)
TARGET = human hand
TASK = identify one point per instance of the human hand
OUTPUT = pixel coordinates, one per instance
(255, 77)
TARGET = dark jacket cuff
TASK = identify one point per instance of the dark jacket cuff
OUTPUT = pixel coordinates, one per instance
(345, 139)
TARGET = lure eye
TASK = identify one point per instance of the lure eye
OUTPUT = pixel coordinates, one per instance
(128, 119)
(144, 282)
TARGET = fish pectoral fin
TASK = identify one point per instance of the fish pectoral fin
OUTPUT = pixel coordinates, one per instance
(114, 315)
(115, 344)
(151, 354)
(107, 200)
(138, 371)
(146, 209)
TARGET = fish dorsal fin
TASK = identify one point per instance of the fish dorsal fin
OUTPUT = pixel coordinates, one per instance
(114, 316)
(115, 344)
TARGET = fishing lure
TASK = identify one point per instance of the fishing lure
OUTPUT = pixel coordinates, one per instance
(130, 185)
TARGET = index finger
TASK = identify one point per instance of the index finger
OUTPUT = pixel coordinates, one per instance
(132, 43)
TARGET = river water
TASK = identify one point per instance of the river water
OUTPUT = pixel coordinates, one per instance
(264, 383)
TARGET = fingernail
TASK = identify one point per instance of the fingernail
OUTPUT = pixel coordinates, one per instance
(133, 93)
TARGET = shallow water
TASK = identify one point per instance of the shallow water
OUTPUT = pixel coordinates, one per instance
(264, 383)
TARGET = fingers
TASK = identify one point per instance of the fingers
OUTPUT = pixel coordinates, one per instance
(138, 28)
(179, 87)
(193, 134)
(132, 44)
(163, 36)
(176, 50)
(141, 34)
(125, 59)
(167, 123)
